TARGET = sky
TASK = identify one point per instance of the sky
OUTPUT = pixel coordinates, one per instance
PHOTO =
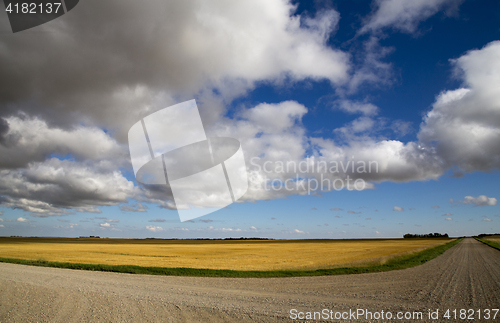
(408, 87)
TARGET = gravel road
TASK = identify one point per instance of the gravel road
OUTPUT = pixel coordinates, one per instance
(467, 276)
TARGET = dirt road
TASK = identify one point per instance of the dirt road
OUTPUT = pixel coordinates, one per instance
(467, 276)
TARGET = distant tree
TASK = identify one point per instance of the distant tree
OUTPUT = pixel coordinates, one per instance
(429, 235)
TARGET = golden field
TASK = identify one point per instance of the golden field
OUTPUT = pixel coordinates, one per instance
(214, 254)
(493, 238)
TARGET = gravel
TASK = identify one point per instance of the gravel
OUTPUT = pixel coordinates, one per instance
(467, 276)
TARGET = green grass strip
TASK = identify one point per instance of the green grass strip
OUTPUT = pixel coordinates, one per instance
(492, 244)
(401, 262)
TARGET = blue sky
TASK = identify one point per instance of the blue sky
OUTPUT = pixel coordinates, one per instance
(409, 84)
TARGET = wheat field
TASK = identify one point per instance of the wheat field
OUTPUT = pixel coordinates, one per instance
(493, 238)
(214, 254)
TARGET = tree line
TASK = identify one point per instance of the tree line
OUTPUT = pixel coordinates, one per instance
(428, 235)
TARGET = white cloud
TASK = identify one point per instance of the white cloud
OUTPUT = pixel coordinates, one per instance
(487, 220)
(404, 15)
(448, 219)
(105, 225)
(228, 229)
(253, 228)
(367, 109)
(2, 226)
(21, 219)
(481, 200)
(398, 208)
(275, 118)
(139, 207)
(298, 231)
(153, 228)
(465, 123)
(446, 214)
(1, 220)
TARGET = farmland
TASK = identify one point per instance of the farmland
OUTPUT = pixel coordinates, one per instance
(468, 273)
(493, 238)
(214, 254)
(492, 241)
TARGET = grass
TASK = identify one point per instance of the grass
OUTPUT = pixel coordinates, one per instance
(202, 254)
(400, 262)
(493, 242)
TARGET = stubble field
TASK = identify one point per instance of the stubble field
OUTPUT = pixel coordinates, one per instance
(493, 238)
(214, 254)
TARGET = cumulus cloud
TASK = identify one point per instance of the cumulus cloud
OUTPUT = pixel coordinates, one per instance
(138, 207)
(104, 225)
(191, 49)
(405, 15)
(184, 47)
(446, 214)
(31, 139)
(481, 200)
(398, 208)
(153, 228)
(271, 150)
(53, 186)
(448, 219)
(253, 228)
(465, 123)
(298, 231)
(21, 219)
(166, 53)
(487, 220)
